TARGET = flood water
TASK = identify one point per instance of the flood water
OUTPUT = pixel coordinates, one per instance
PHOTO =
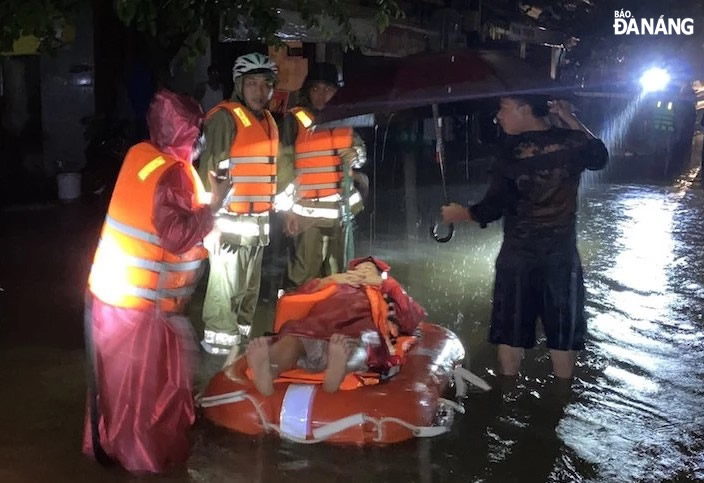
(635, 411)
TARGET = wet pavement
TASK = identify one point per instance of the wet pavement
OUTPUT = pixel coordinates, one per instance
(634, 411)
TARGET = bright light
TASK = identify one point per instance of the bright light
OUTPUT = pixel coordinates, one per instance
(654, 79)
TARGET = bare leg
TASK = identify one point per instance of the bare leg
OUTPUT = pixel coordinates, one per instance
(510, 359)
(339, 351)
(258, 360)
(563, 363)
(282, 355)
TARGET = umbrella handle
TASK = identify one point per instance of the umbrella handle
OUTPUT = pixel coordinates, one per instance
(442, 239)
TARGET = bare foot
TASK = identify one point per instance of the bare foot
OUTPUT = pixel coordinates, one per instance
(258, 360)
(339, 351)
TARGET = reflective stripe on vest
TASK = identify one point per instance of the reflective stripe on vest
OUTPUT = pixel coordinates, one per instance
(251, 179)
(303, 118)
(253, 159)
(159, 266)
(322, 169)
(317, 154)
(156, 295)
(133, 232)
(249, 199)
(239, 112)
(228, 163)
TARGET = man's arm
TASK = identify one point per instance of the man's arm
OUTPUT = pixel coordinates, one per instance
(564, 111)
(356, 156)
(592, 154)
(491, 207)
(219, 132)
(179, 225)
(345, 278)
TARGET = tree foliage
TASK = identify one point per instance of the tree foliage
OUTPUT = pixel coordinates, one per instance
(43, 19)
(188, 23)
(185, 23)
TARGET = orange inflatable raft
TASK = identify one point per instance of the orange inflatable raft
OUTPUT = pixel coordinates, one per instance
(365, 410)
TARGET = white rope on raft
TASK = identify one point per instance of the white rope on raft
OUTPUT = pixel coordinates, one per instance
(461, 376)
(325, 432)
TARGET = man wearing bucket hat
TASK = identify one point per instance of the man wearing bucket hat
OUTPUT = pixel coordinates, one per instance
(242, 144)
(321, 161)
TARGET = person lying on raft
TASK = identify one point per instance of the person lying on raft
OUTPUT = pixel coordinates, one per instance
(329, 337)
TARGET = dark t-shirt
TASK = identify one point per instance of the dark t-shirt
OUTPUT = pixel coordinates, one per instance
(534, 186)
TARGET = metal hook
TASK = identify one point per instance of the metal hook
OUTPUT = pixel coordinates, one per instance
(442, 239)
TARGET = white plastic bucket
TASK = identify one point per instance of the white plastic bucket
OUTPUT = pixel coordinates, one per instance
(69, 185)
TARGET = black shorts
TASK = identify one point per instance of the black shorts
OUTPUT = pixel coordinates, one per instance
(527, 288)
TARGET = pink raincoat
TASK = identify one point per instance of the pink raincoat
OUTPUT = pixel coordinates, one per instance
(140, 406)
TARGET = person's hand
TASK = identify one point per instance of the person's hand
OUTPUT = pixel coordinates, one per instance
(368, 272)
(351, 278)
(564, 112)
(454, 212)
(562, 109)
(212, 241)
(219, 190)
(372, 278)
(349, 156)
(291, 224)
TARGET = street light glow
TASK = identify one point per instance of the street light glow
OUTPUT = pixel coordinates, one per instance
(654, 79)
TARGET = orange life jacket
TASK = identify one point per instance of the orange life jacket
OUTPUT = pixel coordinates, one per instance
(318, 164)
(131, 269)
(298, 306)
(252, 162)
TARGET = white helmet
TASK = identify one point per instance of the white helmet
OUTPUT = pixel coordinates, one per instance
(254, 63)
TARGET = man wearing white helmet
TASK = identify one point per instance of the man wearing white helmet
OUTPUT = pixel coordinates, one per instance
(241, 146)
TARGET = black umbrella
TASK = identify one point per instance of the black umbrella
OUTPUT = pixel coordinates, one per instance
(436, 78)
